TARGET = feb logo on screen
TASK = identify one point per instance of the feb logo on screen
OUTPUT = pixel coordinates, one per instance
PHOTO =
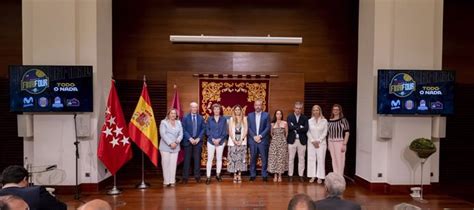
(402, 85)
(34, 81)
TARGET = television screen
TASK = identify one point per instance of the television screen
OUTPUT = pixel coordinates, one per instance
(51, 88)
(415, 92)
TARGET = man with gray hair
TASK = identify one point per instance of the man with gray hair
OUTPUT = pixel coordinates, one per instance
(335, 186)
(193, 132)
(297, 140)
(301, 202)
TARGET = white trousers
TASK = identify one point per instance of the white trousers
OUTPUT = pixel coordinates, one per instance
(210, 156)
(168, 162)
(292, 149)
(338, 157)
(316, 159)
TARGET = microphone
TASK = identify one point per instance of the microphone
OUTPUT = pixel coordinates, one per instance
(51, 167)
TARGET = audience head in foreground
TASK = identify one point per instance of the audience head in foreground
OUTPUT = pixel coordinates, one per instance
(301, 202)
(96, 204)
(335, 187)
(15, 175)
(15, 182)
(11, 202)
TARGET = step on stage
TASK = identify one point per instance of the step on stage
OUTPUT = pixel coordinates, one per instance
(247, 195)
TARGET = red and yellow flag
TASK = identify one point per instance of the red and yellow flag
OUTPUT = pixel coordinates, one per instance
(142, 127)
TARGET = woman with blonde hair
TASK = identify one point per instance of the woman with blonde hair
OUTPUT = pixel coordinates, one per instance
(237, 143)
(171, 133)
(317, 132)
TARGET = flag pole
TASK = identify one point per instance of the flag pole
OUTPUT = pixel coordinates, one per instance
(114, 190)
(143, 184)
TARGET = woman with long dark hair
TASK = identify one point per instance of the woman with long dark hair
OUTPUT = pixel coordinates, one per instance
(278, 155)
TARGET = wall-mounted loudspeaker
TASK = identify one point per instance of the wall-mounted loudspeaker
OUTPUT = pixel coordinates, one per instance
(385, 127)
(83, 123)
(438, 127)
(25, 125)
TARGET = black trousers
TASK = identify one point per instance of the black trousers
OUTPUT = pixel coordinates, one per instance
(194, 152)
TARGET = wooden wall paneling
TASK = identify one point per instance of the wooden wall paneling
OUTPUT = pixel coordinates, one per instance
(329, 29)
(11, 149)
(10, 36)
(327, 94)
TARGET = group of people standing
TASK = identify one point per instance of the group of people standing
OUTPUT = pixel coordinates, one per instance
(275, 140)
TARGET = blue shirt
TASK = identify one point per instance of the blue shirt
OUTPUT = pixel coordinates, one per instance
(216, 129)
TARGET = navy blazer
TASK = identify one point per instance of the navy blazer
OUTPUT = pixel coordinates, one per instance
(336, 203)
(299, 127)
(36, 197)
(264, 130)
(187, 123)
(216, 130)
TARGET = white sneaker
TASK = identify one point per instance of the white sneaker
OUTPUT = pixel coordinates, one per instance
(311, 180)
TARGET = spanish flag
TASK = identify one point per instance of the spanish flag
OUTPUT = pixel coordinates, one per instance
(142, 128)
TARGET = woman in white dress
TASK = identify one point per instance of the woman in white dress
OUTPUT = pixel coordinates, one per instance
(317, 132)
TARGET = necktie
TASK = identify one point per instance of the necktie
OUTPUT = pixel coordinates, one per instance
(257, 119)
(194, 126)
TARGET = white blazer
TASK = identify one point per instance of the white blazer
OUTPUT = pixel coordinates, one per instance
(243, 134)
(317, 132)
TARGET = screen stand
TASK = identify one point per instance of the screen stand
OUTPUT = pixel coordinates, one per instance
(77, 194)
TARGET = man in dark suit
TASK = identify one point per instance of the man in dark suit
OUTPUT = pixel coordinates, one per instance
(297, 140)
(14, 180)
(193, 132)
(335, 186)
(258, 139)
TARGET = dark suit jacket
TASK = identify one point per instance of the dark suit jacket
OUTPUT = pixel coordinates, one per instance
(37, 197)
(187, 123)
(264, 129)
(301, 127)
(336, 203)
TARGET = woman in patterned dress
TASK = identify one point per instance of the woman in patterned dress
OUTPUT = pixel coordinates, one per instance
(278, 155)
(237, 144)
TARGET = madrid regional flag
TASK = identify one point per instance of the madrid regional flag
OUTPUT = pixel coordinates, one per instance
(114, 147)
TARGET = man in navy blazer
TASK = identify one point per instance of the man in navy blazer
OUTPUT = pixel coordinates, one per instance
(258, 139)
(14, 180)
(297, 140)
(193, 132)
